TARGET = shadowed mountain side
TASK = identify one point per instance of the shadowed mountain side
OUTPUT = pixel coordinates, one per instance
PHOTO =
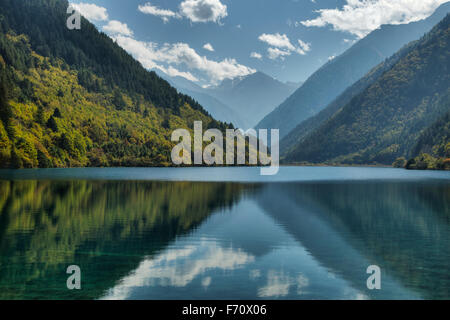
(334, 77)
(347, 236)
(308, 126)
(91, 224)
(386, 119)
(432, 150)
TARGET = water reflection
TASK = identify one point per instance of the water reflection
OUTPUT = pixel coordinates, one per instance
(180, 267)
(402, 227)
(104, 227)
(186, 240)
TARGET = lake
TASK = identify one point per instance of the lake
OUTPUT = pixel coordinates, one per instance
(224, 233)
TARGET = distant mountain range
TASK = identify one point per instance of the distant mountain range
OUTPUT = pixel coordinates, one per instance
(399, 110)
(327, 83)
(243, 101)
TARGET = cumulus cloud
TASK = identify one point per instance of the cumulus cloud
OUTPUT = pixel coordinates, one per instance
(90, 11)
(194, 10)
(164, 14)
(360, 17)
(256, 55)
(151, 56)
(203, 10)
(117, 27)
(277, 40)
(208, 47)
(282, 46)
(173, 72)
(303, 47)
(275, 53)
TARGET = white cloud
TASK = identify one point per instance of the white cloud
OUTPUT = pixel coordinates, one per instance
(275, 53)
(277, 40)
(331, 58)
(164, 14)
(203, 10)
(282, 46)
(179, 268)
(302, 282)
(90, 11)
(151, 56)
(117, 27)
(304, 47)
(173, 72)
(141, 51)
(208, 47)
(279, 284)
(206, 282)
(148, 56)
(256, 55)
(360, 17)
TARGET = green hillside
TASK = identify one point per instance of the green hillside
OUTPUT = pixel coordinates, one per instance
(432, 150)
(75, 98)
(385, 121)
(333, 78)
(296, 136)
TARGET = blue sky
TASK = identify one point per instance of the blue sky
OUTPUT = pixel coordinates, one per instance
(207, 41)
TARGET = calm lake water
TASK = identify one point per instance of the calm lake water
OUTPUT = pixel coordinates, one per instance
(224, 233)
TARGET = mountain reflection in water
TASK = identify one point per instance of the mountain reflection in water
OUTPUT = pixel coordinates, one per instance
(214, 240)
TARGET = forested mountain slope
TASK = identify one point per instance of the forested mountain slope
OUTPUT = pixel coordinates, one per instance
(296, 136)
(432, 150)
(327, 83)
(75, 98)
(386, 120)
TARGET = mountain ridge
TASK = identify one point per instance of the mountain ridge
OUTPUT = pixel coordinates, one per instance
(329, 81)
(242, 101)
(306, 127)
(384, 121)
(75, 98)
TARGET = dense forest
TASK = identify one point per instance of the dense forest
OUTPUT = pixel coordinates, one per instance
(75, 98)
(432, 150)
(328, 82)
(296, 136)
(66, 218)
(387, 119)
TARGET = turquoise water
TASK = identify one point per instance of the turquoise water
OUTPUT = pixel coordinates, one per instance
(224, 233)
(236, 174)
